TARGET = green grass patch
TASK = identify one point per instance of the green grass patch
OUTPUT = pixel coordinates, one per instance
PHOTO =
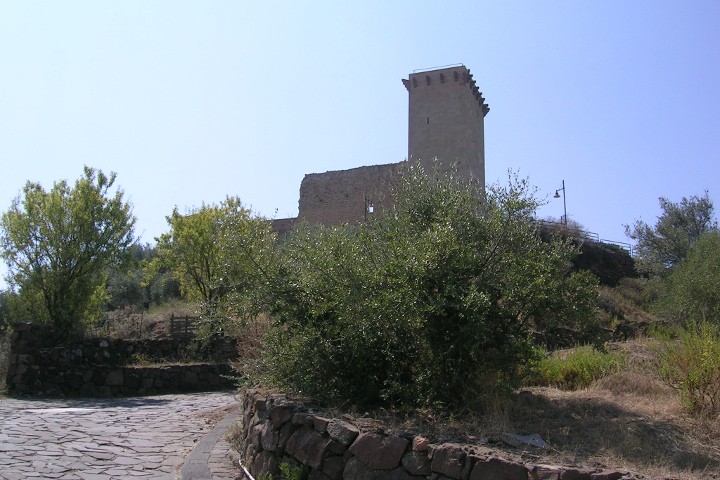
(691, 365)
(575, 369)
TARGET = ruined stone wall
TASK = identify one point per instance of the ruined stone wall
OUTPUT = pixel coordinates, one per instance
(274, 432)
(351, 196)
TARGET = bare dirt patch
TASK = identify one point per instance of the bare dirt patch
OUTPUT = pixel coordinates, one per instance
(215, 415)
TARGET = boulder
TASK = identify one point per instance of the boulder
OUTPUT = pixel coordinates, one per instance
(379, 452)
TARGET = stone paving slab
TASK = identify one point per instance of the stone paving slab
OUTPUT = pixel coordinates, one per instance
(106, 439)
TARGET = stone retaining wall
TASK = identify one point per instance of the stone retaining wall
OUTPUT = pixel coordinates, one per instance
(97, 367)
(275, 432)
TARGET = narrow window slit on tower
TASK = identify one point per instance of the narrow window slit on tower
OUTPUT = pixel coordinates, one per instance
(428, 121)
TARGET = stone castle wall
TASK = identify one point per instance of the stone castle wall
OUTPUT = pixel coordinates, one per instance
(351, 196)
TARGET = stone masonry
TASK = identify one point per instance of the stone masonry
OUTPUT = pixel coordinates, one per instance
(446, 120)
(276, 432)
(351, 196)
(98, 367)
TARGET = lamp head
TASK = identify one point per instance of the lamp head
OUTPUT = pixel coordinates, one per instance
(557, 195)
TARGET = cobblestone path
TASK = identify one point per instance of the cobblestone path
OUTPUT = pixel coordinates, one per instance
(104, 439)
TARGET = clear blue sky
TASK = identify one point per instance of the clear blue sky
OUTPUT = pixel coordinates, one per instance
(190, 101)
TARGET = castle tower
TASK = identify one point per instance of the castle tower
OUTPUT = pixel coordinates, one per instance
(446, 121)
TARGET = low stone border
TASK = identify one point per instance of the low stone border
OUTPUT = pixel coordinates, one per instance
(275, 431)
(94, 368)
(26, 378)
(196, 465)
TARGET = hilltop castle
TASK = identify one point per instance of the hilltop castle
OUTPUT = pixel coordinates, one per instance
(445, 121)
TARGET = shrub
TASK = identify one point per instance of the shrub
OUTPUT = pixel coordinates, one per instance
(691, 366)
(432, 303)
(691, 292)
(575, 369)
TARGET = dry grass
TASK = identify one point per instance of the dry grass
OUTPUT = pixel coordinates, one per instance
(128, 324)
(627, 421)
(250, 347)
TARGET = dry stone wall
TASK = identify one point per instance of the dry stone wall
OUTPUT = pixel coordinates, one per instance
(276, 432)
(96, 367)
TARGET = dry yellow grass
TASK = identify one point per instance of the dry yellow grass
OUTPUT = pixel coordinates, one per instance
(627, 421)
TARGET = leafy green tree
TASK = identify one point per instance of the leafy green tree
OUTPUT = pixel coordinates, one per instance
(213, 251)
(691, 293)
(433, 303)
(131, 288)
(663, 246)
(58, 245)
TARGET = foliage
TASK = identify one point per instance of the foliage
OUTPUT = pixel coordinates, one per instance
(288, 472)
(215, 252)
(575, 369)
(132, 289)
(663, 246)
(691, 365)
(58, 245)
(433, 302)
(642, 292)
(691, 290)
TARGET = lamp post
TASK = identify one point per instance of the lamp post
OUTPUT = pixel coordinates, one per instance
(369, 207)
(557, 195)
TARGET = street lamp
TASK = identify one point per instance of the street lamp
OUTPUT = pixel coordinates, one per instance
(557, 195)
(369, 207)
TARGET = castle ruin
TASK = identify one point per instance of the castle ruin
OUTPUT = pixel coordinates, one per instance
(446, 115)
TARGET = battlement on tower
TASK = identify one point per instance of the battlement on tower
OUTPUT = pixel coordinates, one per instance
(459, 74)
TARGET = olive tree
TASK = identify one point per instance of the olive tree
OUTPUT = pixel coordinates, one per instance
(58, 244)
(661, 247)
(432, 303)
(691, 293)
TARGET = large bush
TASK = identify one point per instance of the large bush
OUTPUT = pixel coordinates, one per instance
(431, 303)
(691, 290)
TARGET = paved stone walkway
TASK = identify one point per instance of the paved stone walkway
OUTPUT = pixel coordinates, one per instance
(107, 439)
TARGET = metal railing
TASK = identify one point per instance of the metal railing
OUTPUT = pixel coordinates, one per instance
(586, 235)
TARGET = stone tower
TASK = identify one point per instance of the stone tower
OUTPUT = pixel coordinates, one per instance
(446, 121)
